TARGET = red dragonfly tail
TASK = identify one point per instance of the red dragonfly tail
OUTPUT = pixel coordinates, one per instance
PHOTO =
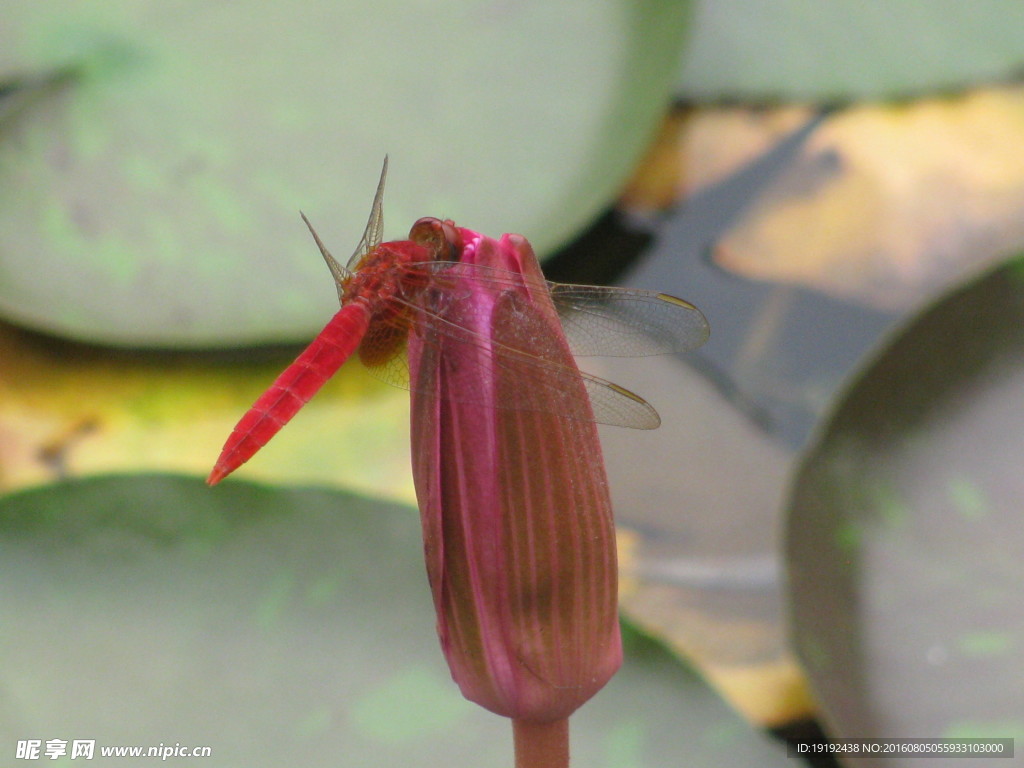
(293, 388)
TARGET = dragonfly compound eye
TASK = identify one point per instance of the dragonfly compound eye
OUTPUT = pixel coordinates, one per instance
(442, 238)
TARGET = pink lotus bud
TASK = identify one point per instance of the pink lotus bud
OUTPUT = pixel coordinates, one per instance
(517, 519)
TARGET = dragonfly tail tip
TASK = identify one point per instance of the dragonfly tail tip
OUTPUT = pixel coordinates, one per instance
(218, 474)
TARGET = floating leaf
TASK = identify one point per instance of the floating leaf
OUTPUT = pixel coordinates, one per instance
(280, 628)
(153, 201)
(72, 411)
(888, 205)
(697, 505)
(904, 532)
(762, 50)
(697, 148)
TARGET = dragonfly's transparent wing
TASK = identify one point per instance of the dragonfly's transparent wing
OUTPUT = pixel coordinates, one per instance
(538, 373)
(338, 271)
(617, 406)
(375, 225)
(626, 322)
(370, 239)
(519, 348)
(545, 386)
(598, 320)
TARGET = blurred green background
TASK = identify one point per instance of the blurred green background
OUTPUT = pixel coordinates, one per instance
(824, 527)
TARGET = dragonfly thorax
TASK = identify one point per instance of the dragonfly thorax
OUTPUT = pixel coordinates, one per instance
(381, 274)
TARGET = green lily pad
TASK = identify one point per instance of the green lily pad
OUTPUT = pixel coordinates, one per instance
(153, 200)
(904, 532)
(280, 628)
(846, 49)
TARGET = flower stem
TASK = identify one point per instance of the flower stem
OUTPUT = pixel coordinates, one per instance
(541, 745)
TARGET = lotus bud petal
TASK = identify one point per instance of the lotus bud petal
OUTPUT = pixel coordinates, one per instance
(516, 513)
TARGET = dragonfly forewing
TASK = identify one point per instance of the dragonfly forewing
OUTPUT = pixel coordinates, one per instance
(626, 322)
(522, 349)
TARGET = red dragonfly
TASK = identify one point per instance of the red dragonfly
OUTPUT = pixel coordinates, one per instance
(389, 289)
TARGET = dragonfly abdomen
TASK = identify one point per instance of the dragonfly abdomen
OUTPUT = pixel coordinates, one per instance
(293, 388)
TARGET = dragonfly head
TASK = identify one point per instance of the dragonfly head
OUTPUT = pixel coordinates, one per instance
(441, 238)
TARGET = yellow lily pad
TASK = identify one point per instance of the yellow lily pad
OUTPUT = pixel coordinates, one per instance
(71, 411)
(888, 205)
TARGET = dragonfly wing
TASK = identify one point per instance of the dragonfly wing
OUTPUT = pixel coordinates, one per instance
(375, 225)
(597, 320)
(521, 348)
(626, 322)
(339, 272)
(601, 321)
(554, 387)
(370, 239)
(548, 380)
(617, 406)
(293, 388)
